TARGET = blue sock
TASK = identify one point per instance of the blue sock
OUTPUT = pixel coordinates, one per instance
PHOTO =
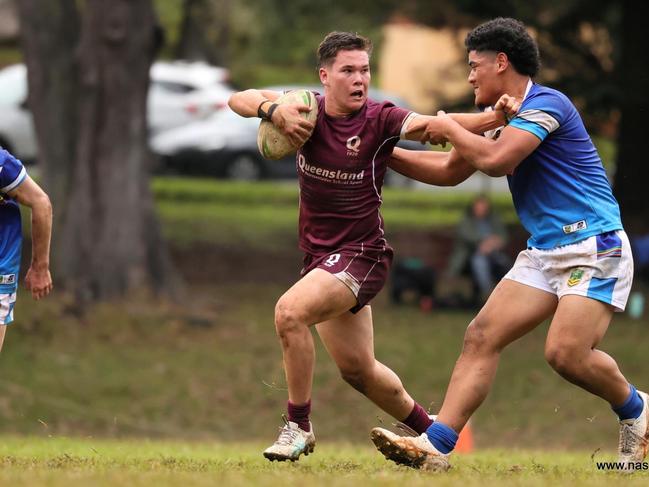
(442, 437)
(632, 407)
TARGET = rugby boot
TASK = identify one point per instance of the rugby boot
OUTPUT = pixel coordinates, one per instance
(291, 443)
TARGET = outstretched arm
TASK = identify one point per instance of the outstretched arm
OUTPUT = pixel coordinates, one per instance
(38, 279)
(437, 168)
(246, 103)
(477, 123)
(493, 157)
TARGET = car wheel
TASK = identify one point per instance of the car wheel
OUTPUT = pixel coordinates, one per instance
(245, 167)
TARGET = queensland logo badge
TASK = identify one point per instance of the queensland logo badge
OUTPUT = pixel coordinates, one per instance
(575, 277)
(353, 143)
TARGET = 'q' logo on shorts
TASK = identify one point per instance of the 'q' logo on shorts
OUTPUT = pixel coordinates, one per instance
(353, 143)
(332, 260)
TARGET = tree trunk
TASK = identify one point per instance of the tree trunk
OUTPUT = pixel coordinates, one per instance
(108, 240)
(49, 36)
(632, 168)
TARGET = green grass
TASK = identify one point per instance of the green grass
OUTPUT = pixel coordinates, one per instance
(147, 392)
(254, 214)
(69, 462)
(210, 368)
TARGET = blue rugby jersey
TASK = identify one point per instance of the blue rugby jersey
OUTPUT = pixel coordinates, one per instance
(560, 191)
(12, 173)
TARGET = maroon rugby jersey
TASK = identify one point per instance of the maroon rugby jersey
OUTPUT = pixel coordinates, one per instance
(341, 170)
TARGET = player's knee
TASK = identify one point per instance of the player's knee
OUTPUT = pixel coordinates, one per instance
(475, 338)
(287, 318)
(562, 358)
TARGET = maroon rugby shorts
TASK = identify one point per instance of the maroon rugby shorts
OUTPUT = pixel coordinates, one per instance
(363, 269)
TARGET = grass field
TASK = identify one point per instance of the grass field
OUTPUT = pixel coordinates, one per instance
(210, 368)
(66, 462)
(143, 391)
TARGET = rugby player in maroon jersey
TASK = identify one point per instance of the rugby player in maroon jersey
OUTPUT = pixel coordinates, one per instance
(341, 165)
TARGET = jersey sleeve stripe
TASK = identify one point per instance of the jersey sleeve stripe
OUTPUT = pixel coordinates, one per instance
(19, 179)
(544, 119)
(406, 122)
(531, 127)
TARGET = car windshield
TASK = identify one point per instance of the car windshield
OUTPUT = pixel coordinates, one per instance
(13, 85)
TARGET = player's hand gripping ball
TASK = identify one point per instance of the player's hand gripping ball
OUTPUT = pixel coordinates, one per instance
(272, 143)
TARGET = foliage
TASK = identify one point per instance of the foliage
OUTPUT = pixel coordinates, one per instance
(270, 43)
(169, 16)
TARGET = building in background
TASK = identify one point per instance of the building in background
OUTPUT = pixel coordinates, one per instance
(425, 66)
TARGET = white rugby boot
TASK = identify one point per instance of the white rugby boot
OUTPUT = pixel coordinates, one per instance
(413, 451)
(634, 437)
(291, 443)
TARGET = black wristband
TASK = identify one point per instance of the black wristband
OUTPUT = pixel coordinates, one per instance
(266, 115)
(260, 112)
(271, 110)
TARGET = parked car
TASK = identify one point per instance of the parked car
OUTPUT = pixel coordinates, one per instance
(183, 92)
(225, 145)
(16, 129)
(180, 93)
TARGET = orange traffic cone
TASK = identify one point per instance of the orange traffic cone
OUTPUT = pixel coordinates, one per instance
(465, 440)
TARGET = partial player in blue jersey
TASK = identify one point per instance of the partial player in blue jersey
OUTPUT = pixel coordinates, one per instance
(577, 268)
(16, 187)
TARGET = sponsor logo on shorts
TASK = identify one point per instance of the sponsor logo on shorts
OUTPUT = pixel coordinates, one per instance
(353, 143)
(8, 279)
(331, 175)
(575, 227)
(575, 277)
(332, 260)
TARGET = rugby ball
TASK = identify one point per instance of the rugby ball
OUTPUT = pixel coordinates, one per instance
(271, 142)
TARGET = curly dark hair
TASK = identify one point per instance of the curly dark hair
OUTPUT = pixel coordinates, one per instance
(341, 41)
(509, 36)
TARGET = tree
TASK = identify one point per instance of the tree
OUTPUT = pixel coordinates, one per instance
(204, 31)
(592, 49)
(88, 64)
(632, 175)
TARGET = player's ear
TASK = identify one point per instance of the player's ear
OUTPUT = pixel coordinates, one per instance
(324, 76)
(502, 61)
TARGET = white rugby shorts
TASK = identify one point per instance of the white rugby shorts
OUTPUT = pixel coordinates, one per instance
(7, 302)
(599, 267)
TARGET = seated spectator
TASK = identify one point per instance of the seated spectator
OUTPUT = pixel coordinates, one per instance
(478, 249)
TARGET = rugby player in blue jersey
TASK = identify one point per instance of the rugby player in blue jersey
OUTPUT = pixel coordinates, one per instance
(16, 187)
(577, 268)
